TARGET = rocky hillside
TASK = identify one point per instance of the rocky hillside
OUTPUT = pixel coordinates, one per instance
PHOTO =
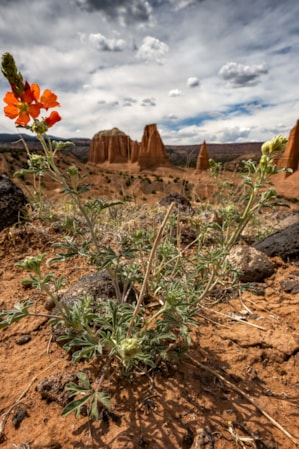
(186, 155)
(182, 155)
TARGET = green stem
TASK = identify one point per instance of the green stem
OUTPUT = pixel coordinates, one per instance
(46, 289)
(44, 315)
(148, 269)
(210, 285)
(153, 318)
(55, 171)
(250, 209)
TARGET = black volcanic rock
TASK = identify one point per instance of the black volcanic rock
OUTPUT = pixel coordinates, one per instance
(284, 243)
(12, 202)
(181, 202)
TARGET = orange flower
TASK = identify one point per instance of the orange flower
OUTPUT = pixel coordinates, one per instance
(21, 108)
(29, 103)
(49, 99)
(24, 101)
(53, 118)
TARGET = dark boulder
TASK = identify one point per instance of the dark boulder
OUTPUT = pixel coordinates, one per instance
(181, 203)
(12, 202)
(284, 243)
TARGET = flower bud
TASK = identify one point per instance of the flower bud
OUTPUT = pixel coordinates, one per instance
(129, 348)
(73, 170)
(37, 161)
(266, 148)
(278, 143)
(31, 263)
(11, 73)
(264, 160)
(39, 127)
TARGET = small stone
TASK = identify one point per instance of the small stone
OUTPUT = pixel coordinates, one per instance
(19, 415)
(49, 305)
(52, 388)
(182, 204)
(289, 286)
(23, 339)
(252, 265)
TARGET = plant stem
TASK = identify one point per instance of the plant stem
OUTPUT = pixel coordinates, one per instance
(149, 267)
(57, 175)
(104, 371)
(250, 208)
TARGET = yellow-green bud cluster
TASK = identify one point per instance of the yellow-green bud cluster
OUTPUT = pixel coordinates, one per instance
(274, 146)
(39, 127)
(230, 211)
(37, 161)
(31, 263)
(11, 73)
(264, 160)
(129, 348)
(73, 170)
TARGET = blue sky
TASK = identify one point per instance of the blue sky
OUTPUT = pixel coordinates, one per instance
(223, 71)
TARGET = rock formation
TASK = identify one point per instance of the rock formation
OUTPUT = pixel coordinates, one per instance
(290, 157)
(112, 146)
(152, 152)
(287, 184)
(134, 151)
(202, 162)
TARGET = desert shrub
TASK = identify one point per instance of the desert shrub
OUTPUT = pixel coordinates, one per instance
(130, 335)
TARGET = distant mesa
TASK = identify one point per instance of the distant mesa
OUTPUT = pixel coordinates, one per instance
(115, 147)
(112, 146)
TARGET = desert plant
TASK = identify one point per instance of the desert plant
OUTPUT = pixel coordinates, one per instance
(254, 192)
(115, 331)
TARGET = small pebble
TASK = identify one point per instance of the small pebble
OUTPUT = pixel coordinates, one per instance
(20, 414)
(23, 339)
(49, 305)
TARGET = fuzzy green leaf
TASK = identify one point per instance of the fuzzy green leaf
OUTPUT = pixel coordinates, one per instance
(75, 406)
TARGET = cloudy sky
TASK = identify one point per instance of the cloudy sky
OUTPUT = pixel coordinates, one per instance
(219, 70)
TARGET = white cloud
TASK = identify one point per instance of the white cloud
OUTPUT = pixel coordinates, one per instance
(113, 63)
(125, 12)
(148, 102)
(180, 4)
(239, 75)
(193, 81)
(153, 50)
(102, 43)
(175, 93)
(171, 116)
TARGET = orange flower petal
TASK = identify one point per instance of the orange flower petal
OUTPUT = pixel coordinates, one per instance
(35, 89)
(23, 119)
(34, 110)
(49, 99)
(27, 96)
(53, 118)
(10, 98)
(11, 111)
